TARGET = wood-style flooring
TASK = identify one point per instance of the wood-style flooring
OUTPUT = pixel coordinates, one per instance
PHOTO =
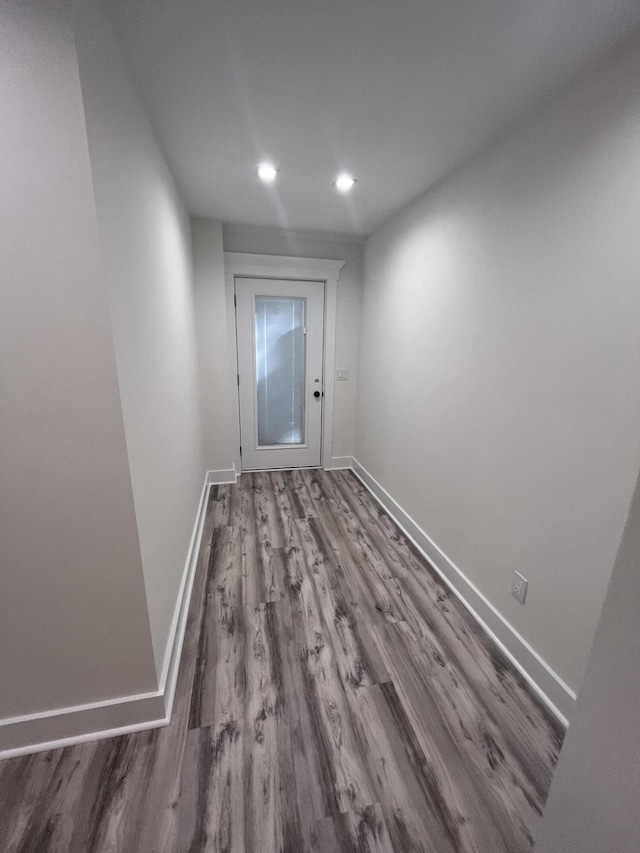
(332, 696)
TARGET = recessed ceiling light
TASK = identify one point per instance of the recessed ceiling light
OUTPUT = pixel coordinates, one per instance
(344, 182)
(267, 172)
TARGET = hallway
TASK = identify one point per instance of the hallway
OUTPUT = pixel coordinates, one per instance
(332, 696)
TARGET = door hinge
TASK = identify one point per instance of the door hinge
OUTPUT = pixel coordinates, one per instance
(235, 301)
(240, 450)
(238, 375)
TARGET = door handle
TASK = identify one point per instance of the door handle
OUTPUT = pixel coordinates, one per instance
(316, 394)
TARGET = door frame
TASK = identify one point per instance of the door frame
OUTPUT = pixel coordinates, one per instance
(305, 451)
(246, 265)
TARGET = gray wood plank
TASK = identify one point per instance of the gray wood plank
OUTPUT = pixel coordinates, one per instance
(361, 833)
(357, 658)
(219, 682)
(211, 804)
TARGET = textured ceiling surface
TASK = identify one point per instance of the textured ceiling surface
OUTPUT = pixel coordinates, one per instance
(399, 92)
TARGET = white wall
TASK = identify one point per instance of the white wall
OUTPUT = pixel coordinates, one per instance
(73, 617)
(217, 396)
(499, 390)
(594, 797)
(145, 239)
(269, 241)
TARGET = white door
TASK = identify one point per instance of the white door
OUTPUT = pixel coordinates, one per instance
(280, 337)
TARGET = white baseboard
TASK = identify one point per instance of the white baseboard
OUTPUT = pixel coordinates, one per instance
(61, 727)
(222, 475)
(173, 653)
(556, 695)
(339, 463)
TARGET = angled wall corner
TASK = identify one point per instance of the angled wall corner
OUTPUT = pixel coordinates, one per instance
(100, 448)
(145, 242)
(74, 626)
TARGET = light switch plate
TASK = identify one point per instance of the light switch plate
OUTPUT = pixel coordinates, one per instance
(519, 586)
(342, 375)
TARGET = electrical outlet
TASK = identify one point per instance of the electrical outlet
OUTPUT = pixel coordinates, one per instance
(519, 586)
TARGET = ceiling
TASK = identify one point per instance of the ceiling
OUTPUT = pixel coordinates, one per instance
(398, 92)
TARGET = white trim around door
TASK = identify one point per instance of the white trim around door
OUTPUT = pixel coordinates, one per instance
(243, 265)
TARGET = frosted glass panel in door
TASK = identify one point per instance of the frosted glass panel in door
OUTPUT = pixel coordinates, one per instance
(280, 369)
